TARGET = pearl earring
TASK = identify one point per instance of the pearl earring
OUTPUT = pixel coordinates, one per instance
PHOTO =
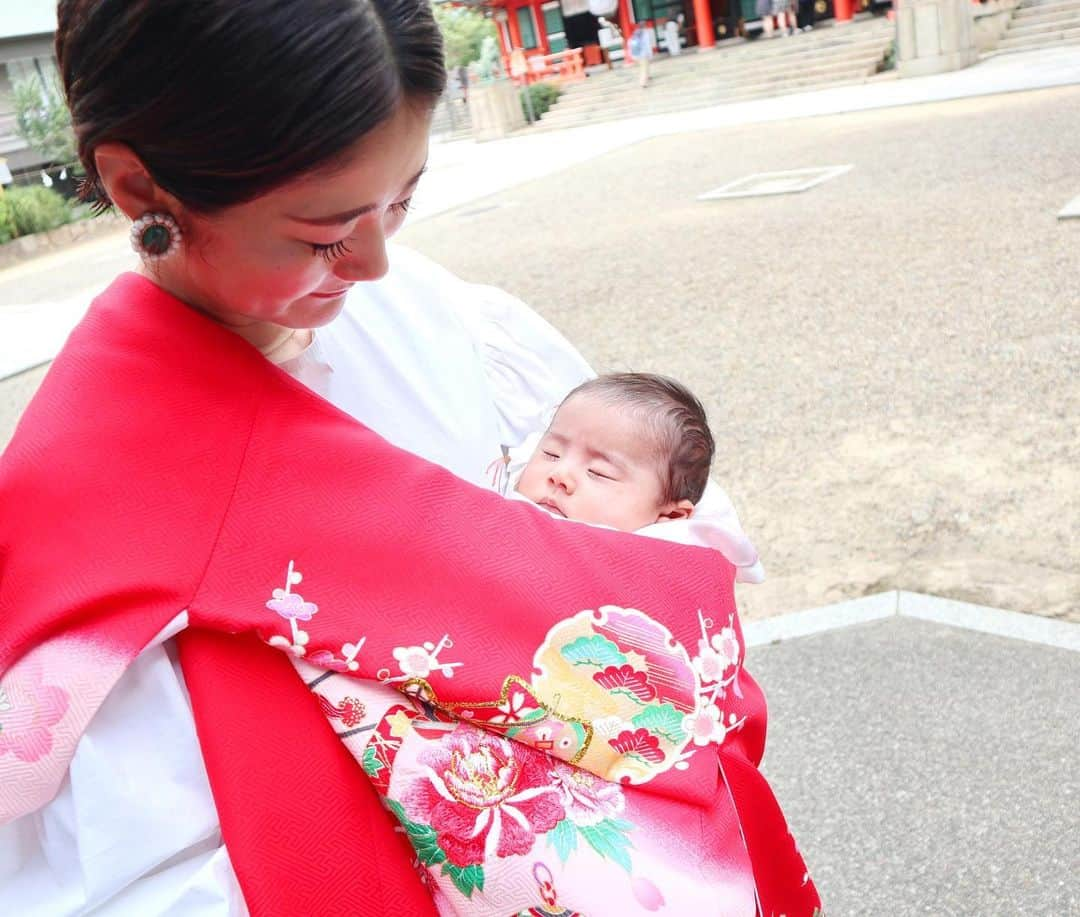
(155, 236)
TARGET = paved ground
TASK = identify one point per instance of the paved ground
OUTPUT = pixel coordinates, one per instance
(890, 360)
(927, 770)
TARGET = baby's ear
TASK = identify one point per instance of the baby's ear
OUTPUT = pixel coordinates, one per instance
(683, 509)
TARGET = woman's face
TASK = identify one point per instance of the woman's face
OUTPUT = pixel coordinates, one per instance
(289, 257)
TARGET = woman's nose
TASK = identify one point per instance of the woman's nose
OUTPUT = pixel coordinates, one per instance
(366, 259)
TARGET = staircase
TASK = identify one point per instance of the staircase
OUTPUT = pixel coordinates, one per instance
(1042, 24)
(830, 55)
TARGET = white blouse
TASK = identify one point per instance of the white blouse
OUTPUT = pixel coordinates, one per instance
(449, 370)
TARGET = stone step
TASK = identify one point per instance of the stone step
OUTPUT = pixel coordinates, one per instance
(1043, 4)
(645, 105)
(725, 67)
(677, 104)
(1034, 27)
(866, 62)
(1033, 42)
(623, 78)
(1044, 9)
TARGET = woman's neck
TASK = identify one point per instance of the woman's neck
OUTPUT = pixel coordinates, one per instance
(275, 342)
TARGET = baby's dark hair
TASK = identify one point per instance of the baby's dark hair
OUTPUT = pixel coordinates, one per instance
(677, 419)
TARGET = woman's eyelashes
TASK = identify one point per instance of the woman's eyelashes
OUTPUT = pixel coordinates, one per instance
(331, 251)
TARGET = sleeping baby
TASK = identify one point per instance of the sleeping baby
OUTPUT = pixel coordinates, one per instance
(632, 451)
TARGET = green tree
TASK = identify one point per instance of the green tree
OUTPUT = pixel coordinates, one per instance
(43, 121)
(463, 32)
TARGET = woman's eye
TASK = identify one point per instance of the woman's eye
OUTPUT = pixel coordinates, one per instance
(551, 455)
(333, 251)
(600, 474)
(401, 206)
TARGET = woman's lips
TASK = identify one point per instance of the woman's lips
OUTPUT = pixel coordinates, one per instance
(333, 294)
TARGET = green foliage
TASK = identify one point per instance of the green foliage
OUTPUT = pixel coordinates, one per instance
(543, 96)
(42, 119)
(34, 210)
(464, 31)
(8, 230)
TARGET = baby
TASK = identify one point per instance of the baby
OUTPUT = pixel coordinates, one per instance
(625, 450)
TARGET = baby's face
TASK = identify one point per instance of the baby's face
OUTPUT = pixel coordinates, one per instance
(596, 464)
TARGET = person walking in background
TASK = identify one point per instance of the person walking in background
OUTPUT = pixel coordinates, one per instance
(806, 14)
(641, 49)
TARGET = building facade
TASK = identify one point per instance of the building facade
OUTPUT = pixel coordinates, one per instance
(26, 53)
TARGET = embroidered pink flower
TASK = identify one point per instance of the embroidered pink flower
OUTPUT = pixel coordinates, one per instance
(31, 709)
(587, 799)
(704, 726)
(292, 606)
(414, 661)
(483, 796)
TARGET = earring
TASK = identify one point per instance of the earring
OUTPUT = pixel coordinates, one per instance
(155, 236)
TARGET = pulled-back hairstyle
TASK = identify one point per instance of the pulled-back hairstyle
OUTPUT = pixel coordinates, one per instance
(676, 420)
(224, 100)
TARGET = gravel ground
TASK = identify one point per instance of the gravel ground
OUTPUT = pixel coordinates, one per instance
(889, 360)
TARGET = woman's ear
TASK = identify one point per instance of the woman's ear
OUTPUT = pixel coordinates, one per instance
(128, 182)
(683, 509)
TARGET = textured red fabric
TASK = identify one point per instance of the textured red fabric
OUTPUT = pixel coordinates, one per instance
(279, 780)
(194, 476)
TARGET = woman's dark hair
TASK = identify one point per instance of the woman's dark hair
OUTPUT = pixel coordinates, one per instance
(224, 100)
(681, 436)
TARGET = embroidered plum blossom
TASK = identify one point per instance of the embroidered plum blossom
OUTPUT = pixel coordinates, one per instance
(726, 644)
(704, 725)
(293, 607)
(710, 665)
(587, 799)
(421, 661)
(514, 708)
(31, 708)
(483, 796)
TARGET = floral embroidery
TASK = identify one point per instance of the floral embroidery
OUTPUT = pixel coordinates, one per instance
(350, 711)
(484, 797)
(292, 607)
(420, 661)
(31, 708)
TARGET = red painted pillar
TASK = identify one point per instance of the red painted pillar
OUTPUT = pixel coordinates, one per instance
(626, 24)
(541, 28)
(706, 38)
(515, 29)
(844, 10)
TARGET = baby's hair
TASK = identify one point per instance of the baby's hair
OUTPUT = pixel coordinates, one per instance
(677, 419)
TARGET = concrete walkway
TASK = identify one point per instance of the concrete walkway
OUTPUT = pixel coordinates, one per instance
(462, 172)
(926, 768)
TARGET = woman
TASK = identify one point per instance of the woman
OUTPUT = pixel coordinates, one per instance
(204, 560)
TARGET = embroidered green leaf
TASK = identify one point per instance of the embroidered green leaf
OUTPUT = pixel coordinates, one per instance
(423, 838)
(595, 650)
(662, 720)
(563, 837)
(467, 879)
(609, 841)
(371, 763)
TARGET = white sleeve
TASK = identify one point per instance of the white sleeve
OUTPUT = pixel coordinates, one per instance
(530, 367)
(133, 829)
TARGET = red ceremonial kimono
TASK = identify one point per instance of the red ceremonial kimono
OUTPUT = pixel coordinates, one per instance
(411, 694)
